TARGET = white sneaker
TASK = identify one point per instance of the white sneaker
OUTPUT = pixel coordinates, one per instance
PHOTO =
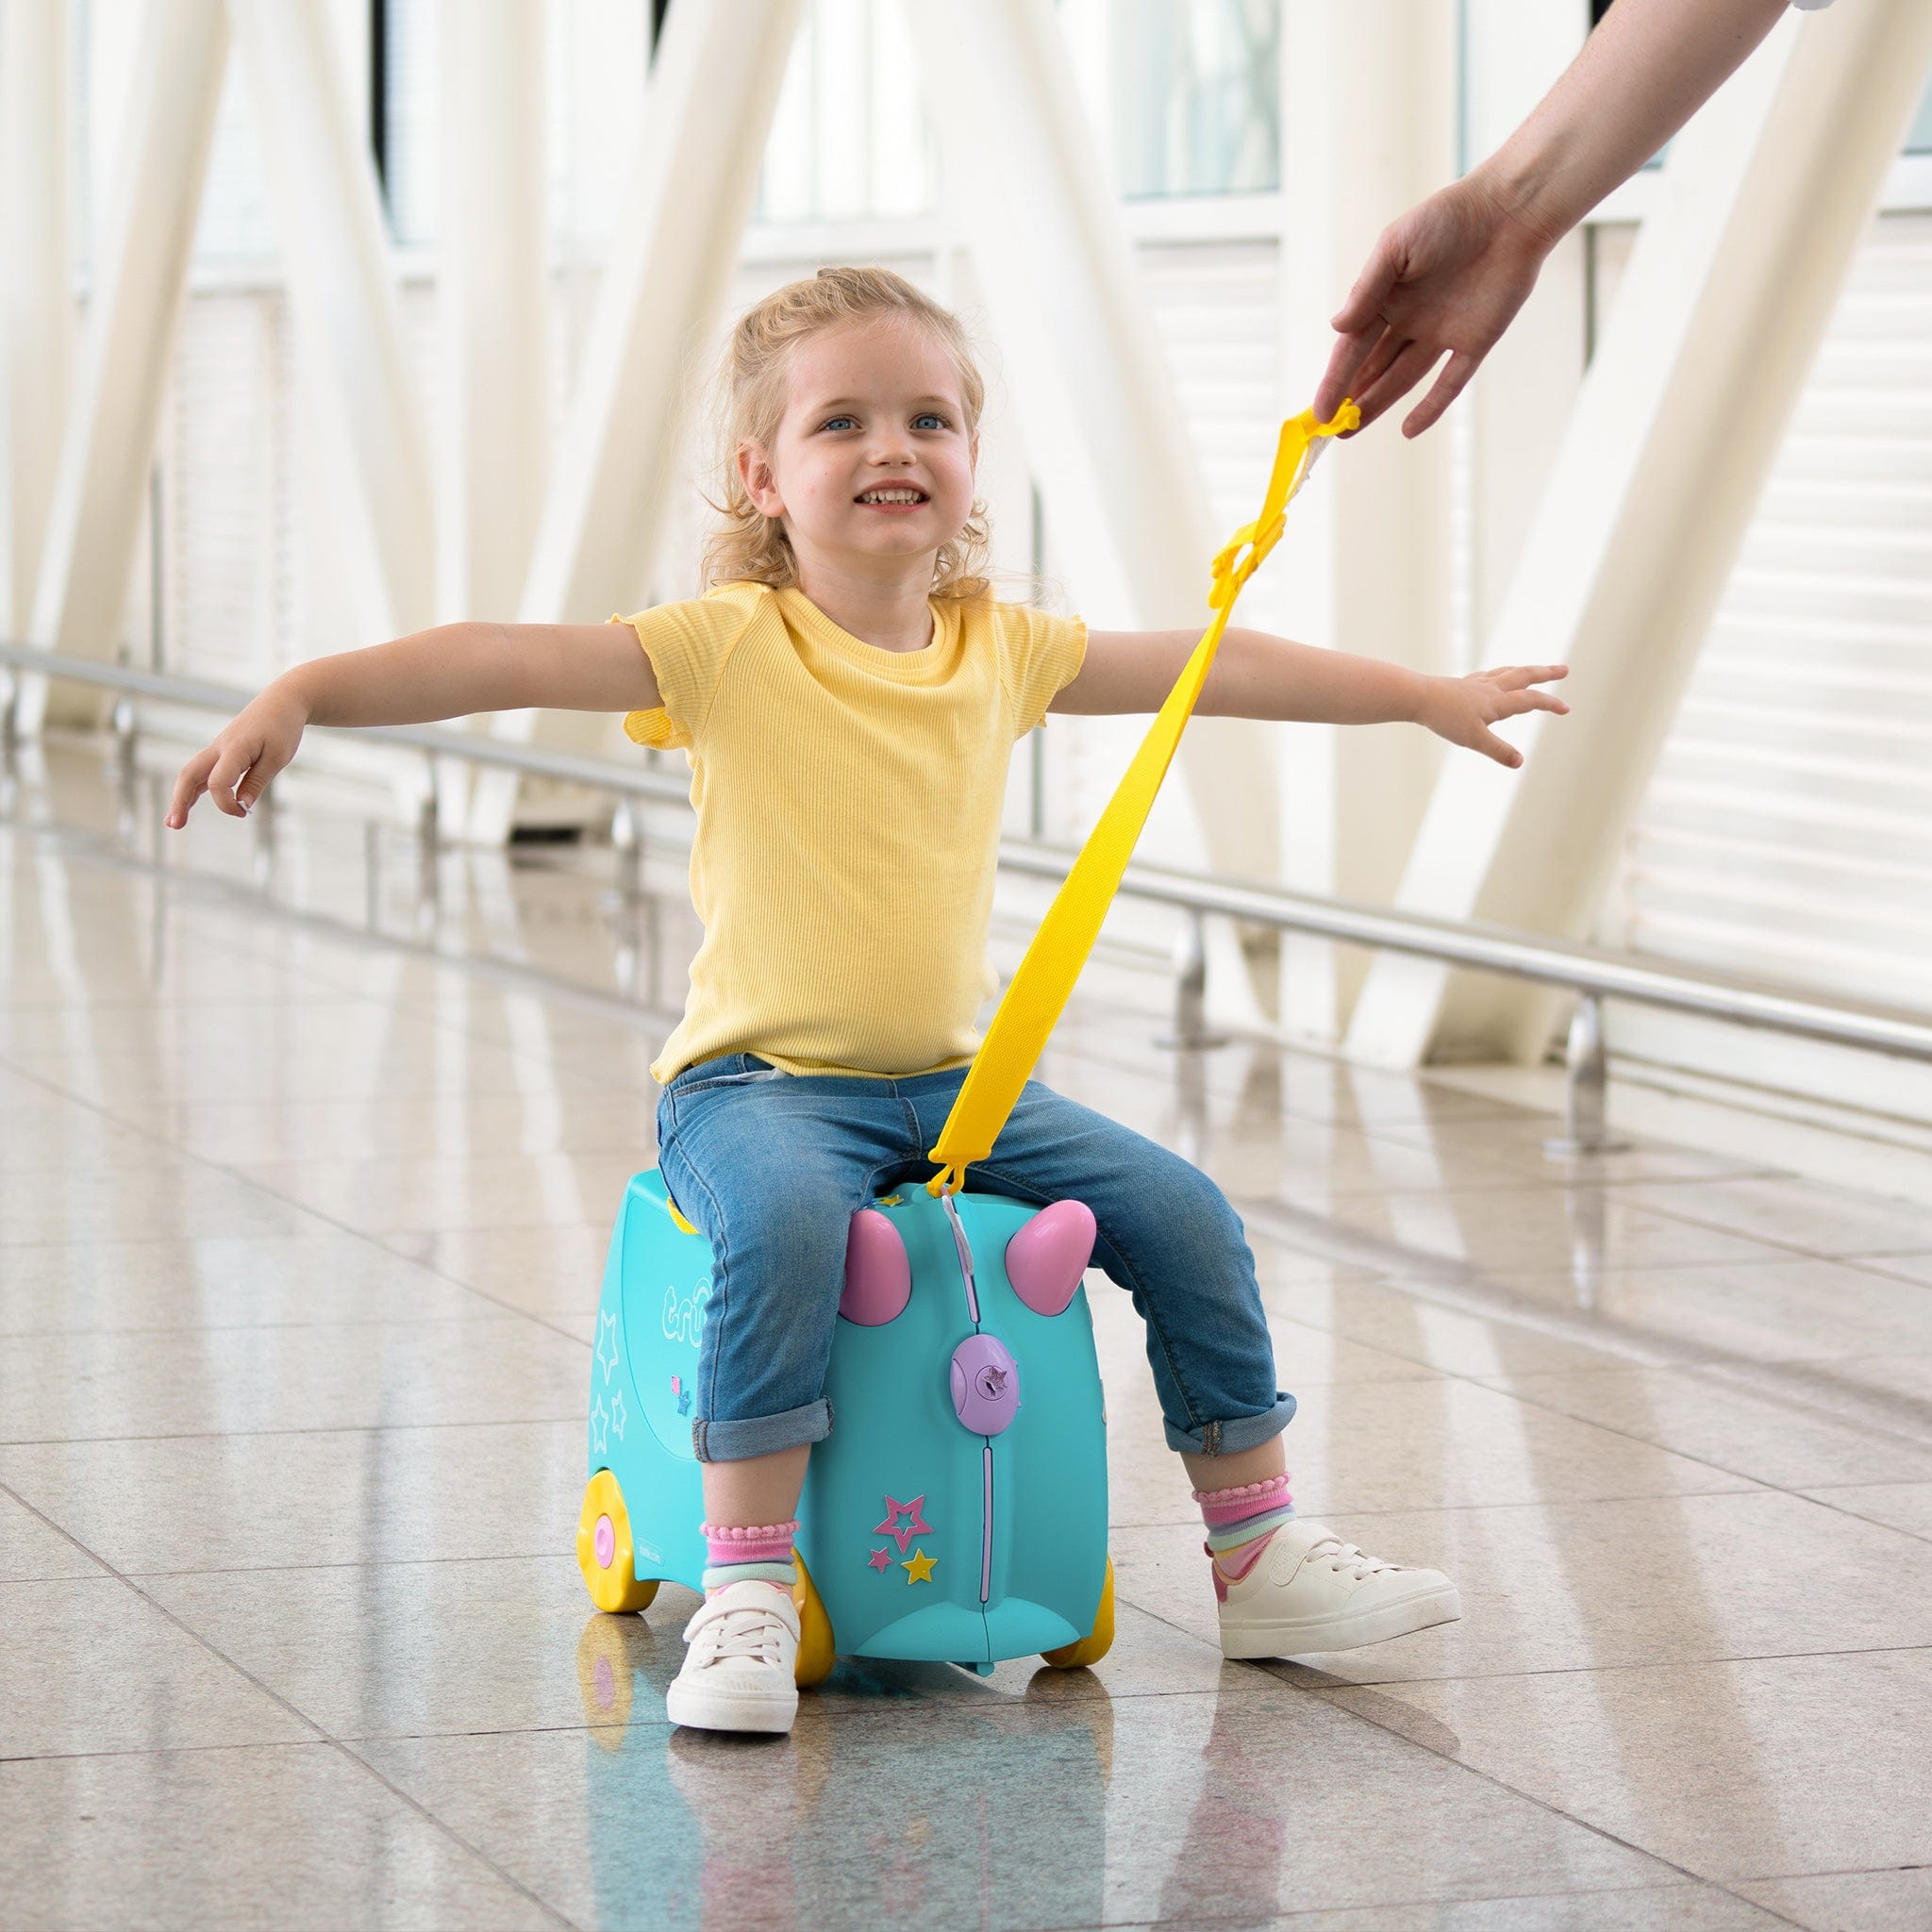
(1310, 1591)
(736, 1675)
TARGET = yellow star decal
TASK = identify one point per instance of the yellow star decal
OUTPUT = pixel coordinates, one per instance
(919, 1565)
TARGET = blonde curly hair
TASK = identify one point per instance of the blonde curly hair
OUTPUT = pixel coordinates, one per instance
(747, 546)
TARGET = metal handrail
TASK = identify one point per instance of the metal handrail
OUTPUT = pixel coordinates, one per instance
(1592, 970)
(1593, 974)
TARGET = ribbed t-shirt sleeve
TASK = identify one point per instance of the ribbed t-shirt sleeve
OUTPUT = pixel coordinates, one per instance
(1040, 656)
(686, 644)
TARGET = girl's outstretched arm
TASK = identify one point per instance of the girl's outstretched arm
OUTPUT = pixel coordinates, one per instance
(1256, 676)
(449, 672)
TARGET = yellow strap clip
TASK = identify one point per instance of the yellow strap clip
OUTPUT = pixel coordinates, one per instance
(1040, 988)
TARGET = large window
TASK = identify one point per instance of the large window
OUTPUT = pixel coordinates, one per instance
(1919, 136)
(849, 138)
(1195, 93)
(1184, 95)
(403, 114)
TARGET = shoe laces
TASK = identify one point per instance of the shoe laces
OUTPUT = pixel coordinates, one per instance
(1345, 1559)
(740, 1633)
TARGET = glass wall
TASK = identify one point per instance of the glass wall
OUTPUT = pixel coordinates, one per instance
(849, 138)
(1185, 94)
(1196, 95)
(1919, 136)
(409, 118)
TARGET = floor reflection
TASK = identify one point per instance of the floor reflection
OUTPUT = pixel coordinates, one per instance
(302, 1208)
(956, 1823)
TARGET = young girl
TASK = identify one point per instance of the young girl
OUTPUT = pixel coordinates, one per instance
(847, 693)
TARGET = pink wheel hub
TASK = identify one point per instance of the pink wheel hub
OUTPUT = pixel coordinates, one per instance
(604, 1540)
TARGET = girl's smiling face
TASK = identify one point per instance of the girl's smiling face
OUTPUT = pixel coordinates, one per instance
(872, 406)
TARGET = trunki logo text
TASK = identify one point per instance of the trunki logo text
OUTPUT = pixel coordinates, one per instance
(684, 1317)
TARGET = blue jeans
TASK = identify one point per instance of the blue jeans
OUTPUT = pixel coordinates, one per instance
(770, 1167)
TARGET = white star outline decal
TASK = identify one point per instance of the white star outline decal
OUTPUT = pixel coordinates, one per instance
(600, 1422)
(617, 1412)
(607, 1331)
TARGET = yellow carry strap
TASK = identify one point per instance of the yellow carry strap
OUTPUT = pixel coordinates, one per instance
(1039, 989)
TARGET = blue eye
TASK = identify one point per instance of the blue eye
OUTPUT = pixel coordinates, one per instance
(923, 416)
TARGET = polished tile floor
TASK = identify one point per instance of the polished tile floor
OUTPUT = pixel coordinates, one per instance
(304, 1193)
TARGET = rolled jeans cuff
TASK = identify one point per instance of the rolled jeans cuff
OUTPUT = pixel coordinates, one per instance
(762, 1435)
(1240, 1432)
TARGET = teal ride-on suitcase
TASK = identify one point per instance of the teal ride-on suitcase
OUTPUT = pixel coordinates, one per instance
(957, 1510)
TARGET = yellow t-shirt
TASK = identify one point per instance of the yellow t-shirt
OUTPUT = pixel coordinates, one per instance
(848, 804)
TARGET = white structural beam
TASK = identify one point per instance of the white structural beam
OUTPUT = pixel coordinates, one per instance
(492, 296)
(335, 253)
(701, 140)
(1025, 186)
(138, 271)
(1727, 292)
(1368, 121)
(1515, 413)
(37, 293)
(491, 459)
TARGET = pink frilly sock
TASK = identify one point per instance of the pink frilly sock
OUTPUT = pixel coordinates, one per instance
(758, 1553)
(1240, 1523)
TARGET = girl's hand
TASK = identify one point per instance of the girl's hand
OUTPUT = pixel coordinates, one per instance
(234, 771)
(1463, 708)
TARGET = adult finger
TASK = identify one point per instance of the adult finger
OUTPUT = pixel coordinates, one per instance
(1344, 360)
(1409, 368)
(1449, 385)
(1379, 275)
(188, 787)
(1375, 363)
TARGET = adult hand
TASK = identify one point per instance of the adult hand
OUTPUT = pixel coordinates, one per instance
(1449, 275)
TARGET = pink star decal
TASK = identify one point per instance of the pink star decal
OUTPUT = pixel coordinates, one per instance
(881, 1560)
(904, 1532)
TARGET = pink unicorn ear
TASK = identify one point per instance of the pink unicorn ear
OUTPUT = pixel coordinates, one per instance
(1047, 1257)
(878, 1272)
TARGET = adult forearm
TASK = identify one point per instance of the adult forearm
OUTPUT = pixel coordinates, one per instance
(447, 671)
(1259, 675)
(1641, 75)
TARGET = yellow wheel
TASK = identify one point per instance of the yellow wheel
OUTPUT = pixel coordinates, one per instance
(604, 1548)
(1092, 1647)
(816, 1656)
